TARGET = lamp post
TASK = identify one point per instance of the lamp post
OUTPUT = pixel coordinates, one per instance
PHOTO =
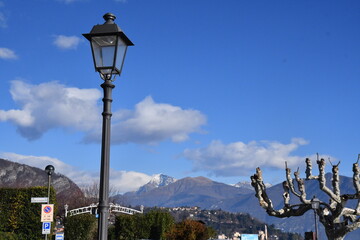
(315, 204)
(108, 44)
(49, 169)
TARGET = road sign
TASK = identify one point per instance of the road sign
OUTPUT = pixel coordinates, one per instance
(46, 227)
(39, 200)
(47, 212)
(59, 236)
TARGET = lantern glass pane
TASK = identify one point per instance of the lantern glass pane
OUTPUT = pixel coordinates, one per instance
(315, 204)
(104, 51)
(120, 55)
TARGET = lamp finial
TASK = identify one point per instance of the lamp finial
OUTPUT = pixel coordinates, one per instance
(109, 18)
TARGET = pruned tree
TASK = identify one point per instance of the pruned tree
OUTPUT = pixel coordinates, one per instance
(337, 219)
(91, 193)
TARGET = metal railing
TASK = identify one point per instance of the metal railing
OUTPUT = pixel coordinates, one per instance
(92, 209)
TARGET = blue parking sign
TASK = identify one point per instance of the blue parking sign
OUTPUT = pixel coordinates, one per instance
(46, 226)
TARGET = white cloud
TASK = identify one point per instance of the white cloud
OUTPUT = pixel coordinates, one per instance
(120, 181)
(52, 105)
(67, 42)
(238, 158)
(125, 181)
(7, 53)
(153, 122)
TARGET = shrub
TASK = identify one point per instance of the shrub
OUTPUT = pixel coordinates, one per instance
(8, 236)
(19, 215)
(80, 227)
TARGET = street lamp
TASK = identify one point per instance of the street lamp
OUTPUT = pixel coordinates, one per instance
(49, 169)
(108, 44)
(315, 204)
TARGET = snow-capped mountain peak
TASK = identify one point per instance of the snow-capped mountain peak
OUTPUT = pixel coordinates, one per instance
(158, 180)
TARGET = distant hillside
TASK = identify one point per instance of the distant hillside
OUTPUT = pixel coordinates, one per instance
(207, 194)
(198, 191)
(15, 175)
(227, 223)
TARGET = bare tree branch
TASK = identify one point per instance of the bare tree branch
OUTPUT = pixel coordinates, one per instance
(290, 180)
(308, 170)
(322, 182)
(287, 211)
(335, 181)
(337, 219)
(301, 186)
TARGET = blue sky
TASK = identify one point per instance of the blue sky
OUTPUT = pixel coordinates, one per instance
(212, 88)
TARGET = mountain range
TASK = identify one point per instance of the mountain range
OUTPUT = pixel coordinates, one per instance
(207, 194)
(198, 191)
(166, 191)
(15, 175)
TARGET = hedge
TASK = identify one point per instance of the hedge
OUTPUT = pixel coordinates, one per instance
(18, 215)
(80, 227)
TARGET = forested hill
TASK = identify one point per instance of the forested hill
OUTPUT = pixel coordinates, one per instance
(228, 223)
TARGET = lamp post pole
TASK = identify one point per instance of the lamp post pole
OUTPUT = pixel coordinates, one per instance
(316, 226)
(315, 204)
(103, 206)
(49, 169)
(108, 44)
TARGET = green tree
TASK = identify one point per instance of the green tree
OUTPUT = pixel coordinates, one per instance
(125, 227)
(160, 223)
(143, 226)
(80, 227)
(111, 232)
(152, 225)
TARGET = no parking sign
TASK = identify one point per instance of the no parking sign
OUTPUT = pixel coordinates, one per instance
(47, 212)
